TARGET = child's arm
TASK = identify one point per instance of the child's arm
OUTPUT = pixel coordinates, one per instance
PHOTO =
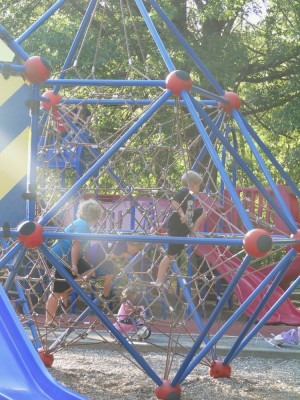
(119, 256)
(119, 251)
(199, 220)
(75, 251)
(131, 309)
(177, 207)
(128, 308)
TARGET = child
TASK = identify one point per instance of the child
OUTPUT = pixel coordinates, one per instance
(103, 267)
(102, 258)
(124, 250)
(71, 251)
(129, 316)
(183, 221)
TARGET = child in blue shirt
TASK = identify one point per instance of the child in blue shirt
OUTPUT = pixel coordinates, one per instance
(71, 254)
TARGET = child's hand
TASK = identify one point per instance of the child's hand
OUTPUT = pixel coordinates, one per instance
(183, 218)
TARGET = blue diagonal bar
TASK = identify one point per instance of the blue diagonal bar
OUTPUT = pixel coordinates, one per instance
(216, 160)
(282, 267)
(188, 48)
(288, 220)
(155, 36)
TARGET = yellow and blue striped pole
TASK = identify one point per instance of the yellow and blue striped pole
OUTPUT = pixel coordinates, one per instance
(15, 121)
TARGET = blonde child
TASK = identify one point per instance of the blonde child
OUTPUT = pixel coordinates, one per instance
(72, 252)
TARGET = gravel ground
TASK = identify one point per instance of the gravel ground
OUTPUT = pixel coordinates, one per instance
(105, 375)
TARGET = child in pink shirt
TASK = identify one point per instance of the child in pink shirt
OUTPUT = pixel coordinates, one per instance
(129, 317)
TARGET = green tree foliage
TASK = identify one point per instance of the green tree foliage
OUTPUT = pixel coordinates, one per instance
(251, 47)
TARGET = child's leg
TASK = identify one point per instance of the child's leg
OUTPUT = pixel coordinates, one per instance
(52, 304)
(162, 269)
(173, 251)
(107, 284)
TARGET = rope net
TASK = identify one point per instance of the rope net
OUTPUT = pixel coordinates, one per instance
(134, 186)
(134, 189)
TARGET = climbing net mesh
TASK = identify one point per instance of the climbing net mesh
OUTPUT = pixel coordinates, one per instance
(134, 187)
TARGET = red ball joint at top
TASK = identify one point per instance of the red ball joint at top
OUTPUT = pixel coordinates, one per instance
(178, 81)
(30, 234)
(37, 69)
(257, 243)
(234, 101)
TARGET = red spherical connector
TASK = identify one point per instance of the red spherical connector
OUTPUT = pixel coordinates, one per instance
(168, 392)
(47, 359)
(257, 243)
(54, 99)
(37, 69)
(219, 370)
(296, 236)
(30, 234)
(177, 81)
(234, 102)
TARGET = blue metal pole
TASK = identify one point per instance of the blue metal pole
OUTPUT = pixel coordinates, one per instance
(216, 160)
(217, 241)
(105, 82)
(29, 321)
(21, 296)
(203, 150)
(102, 161)
(40, 21)
(182, 371)
(78, 36)
(129, 101)
(135, 203)
(210, 95)
(155, 35)
(268, 153)
(6, 258)
(262, 322)
(69, 330)
(233, 177)
(64, 273)
(188, 298)
(13, 45)
(231, 320)
(244, 166)
(188, 48)
(189, 275)
(14, 269)
(289, 220)
(11, 69)
(32, 159)
(284, 263)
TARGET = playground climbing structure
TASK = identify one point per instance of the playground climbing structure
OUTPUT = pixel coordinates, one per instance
(125, 138)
